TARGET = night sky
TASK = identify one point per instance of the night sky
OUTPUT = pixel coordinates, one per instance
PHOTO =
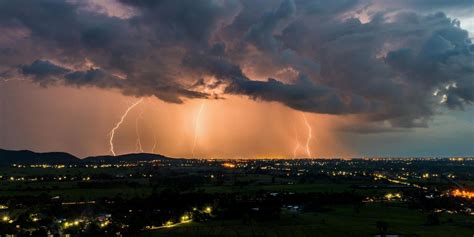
(238, 78)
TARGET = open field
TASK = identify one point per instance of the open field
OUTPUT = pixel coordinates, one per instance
(340, 221)
(327, 198)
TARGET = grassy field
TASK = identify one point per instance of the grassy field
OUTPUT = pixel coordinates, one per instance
(84, 193)
(10, 171)
(340, 222)
(314, 187)
(71, 191)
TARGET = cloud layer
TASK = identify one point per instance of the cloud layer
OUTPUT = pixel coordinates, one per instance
(387, 65)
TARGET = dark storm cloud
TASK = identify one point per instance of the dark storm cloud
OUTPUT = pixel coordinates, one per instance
(41, 69)
(398, 67)
(261, 33)
(373, 128)
(435, 4)
(303, 95)
(183, 21)
(399, 59)
(46, 72)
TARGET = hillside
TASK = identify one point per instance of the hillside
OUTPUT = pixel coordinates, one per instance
(126, 158)
(8, 157)
(25, 157)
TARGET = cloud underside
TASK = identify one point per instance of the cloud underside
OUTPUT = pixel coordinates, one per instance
(396, 67)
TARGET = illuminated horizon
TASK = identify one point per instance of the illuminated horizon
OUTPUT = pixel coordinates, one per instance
(230, 79)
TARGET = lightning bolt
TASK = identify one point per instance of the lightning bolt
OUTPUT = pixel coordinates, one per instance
(154, 143)
(310, 135)
(297, 144)
(196, 127)
(124, 115)
(139, 147)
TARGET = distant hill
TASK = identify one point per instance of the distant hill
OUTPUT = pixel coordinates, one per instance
(126, 158)
(8, 157)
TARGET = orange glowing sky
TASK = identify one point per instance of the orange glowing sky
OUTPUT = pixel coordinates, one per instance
(234, 79)
(234, 127)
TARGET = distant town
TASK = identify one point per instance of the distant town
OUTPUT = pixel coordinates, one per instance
(152, 195)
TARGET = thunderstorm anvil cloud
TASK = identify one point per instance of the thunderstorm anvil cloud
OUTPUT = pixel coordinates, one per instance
(397, 64)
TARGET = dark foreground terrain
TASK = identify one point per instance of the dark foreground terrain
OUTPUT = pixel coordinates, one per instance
(150, 195)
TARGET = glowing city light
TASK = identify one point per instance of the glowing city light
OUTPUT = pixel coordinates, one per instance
(5, 218)
(208, 210)
(228, 165)
(463, 194)
(390, 196)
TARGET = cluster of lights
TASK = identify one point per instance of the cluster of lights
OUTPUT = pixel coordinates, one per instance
(71, 224)
(186, 218)
(463, 194)
(228, 165)
(380, 176)
(104, 224)
(44, 166)
(457, 159)
(59, 178)
(96, 166)
(390, 196)
(17, 179)
(78, 203)
(168, 224)
(208, 210)
(6, 218)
